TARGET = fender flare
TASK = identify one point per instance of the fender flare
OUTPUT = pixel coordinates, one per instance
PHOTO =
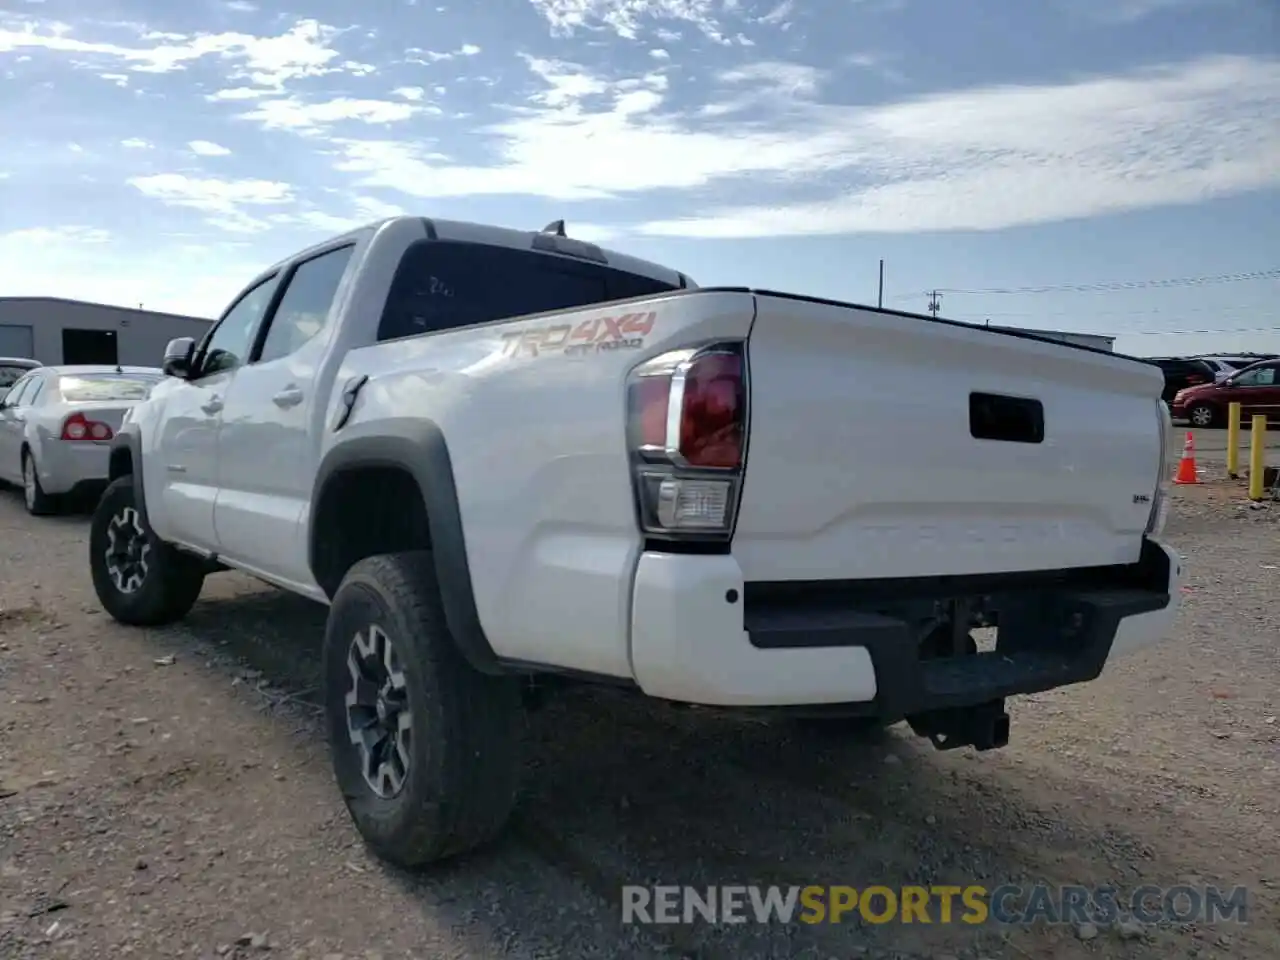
(129, 440)
(418, 446)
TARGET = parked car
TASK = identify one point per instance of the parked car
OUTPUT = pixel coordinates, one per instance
(1257, 388)
(503, 457)
(1225, 366)
(1182, 372)
(13, 369)
(56, 424)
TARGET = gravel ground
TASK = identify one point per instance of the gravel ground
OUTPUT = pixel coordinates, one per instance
(167, 793)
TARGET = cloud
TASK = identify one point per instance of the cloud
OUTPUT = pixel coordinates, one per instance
(627, 18)
(984, 158)
(418, 55)
(137, 143)
(221, 200)
(364, 210)
(1133, 11)
(207, 148)
(305, 50)
(779, 14)
(52, 236)
(299, 116)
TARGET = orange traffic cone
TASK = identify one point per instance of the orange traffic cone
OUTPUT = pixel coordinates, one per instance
(1187, 465)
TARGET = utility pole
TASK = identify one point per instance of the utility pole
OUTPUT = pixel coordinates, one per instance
(935, 303)
(880, 295)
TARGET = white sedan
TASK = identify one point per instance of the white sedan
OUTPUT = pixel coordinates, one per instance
(56, 426)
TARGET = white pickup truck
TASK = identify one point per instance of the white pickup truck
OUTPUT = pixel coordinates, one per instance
(502, 455)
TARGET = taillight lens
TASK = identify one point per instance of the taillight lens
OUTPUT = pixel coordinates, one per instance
(687, 428)
(712, 415)
(78, 427)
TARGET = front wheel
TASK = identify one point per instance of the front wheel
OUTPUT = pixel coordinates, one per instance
(1203, 415)
(140, 580)
(425, 749)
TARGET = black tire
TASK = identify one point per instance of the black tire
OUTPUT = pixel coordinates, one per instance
(37, 502)
(170, 580)
(1204, 415)
(465, 727)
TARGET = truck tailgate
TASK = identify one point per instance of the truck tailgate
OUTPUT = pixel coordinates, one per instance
(862, 460)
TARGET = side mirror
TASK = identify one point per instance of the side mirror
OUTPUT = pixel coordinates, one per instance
(177, 357)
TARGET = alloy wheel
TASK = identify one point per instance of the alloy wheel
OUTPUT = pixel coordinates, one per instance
(127, 552)
(379, 721)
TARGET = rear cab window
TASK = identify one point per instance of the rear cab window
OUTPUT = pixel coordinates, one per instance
(447, 284)
(88, 388)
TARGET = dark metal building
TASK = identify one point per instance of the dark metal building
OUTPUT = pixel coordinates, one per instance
(55, 331)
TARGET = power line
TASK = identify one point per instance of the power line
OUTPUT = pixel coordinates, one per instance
(1246, 308)
(1105, 286)
(1178, 333)
(1173, 333)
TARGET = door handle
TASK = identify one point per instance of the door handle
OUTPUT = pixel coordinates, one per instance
(288, 397)
(212, 405)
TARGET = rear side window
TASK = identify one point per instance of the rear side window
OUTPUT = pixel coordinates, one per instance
(9, 375)
(442, 285)
(84, 389)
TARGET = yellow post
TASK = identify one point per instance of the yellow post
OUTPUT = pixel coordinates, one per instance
(1257, 455)
(1233, 440)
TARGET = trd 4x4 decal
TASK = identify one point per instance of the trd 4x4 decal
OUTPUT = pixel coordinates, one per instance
(624, 332)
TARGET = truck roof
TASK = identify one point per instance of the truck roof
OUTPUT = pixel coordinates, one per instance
(466, 231)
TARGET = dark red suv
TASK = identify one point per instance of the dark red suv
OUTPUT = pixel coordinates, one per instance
(1256, 388)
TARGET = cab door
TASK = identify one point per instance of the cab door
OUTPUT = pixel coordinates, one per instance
(186, 471)
(1257, 390)
(266, 460)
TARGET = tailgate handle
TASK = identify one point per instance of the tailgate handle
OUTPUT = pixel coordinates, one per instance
(993, 416)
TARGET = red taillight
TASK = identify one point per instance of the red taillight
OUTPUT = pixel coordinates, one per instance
(712, 416)
(78, 427)
(687, 421)
(652, 398)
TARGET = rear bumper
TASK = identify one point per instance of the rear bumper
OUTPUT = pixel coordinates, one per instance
(63, 467)
(699, 634)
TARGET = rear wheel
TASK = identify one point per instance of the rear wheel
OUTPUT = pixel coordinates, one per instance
(1203, 415)
(140, 580)
(425, 749)
(39, 503)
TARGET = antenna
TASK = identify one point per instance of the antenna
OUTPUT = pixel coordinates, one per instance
(555, 228)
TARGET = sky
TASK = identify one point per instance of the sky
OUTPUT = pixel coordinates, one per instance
(1104, 166)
